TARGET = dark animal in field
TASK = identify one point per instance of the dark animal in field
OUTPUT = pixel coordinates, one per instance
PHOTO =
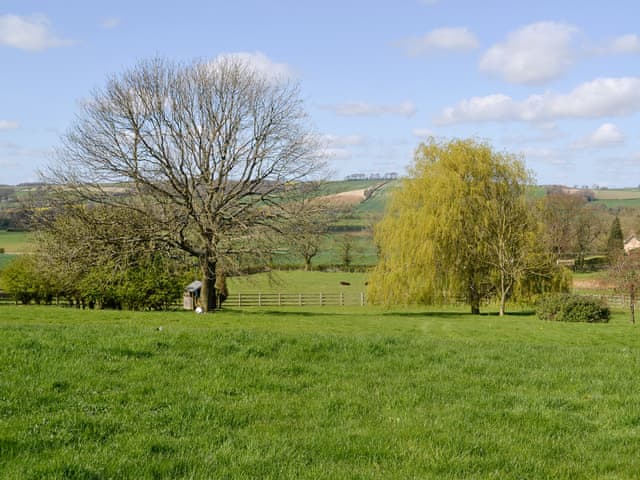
(345, 283)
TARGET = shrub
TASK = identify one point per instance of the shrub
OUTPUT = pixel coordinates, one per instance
(572, 308)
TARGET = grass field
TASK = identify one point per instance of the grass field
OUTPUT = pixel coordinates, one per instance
(318, 394)
(5, 259)
(619, 198)
(297, 281)
(14, 242)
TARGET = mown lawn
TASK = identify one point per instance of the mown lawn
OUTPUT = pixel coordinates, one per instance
(318, 394)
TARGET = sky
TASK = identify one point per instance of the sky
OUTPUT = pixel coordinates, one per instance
(556, 82)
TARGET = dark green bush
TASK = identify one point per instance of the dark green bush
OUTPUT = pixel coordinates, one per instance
(572, 308)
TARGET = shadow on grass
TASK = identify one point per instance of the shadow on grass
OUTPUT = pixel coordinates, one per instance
(284, 313)
(369, 313)
(363, 313)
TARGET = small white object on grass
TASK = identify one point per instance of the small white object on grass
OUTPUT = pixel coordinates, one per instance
(199, 310)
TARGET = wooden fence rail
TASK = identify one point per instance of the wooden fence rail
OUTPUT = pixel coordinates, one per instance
(295, 299)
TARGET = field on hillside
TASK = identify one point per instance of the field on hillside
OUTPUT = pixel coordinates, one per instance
(317, 394)
(618, 198)
(14, 242)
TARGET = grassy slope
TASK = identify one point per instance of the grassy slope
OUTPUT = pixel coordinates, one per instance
(14, 242)
(315, 394)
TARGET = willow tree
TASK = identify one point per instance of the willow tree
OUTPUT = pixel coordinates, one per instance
(458, 227)
(208, 152)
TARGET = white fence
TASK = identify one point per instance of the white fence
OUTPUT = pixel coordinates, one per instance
(295, 299)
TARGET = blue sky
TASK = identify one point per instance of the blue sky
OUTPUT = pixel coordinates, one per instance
(555, 81)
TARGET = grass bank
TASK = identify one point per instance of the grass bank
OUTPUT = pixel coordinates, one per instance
(319, 393)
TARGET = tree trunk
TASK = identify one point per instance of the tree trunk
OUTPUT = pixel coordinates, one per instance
(503, 294)
(474, 301)
(307, 263)
(208, 297)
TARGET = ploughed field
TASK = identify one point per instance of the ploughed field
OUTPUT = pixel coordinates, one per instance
(315, 393)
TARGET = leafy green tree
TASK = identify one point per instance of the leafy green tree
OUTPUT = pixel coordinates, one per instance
(22, 279)
(97, 257)
(615, 241)
(459, 226)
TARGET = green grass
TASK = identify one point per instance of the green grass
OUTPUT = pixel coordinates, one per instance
(298, 282)
(318, 394)
(5, 259)
(363, 251)
(618, 194)
(14, 242)
(619, 203)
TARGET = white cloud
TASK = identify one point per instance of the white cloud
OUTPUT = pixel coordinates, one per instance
(343, 140)
(29, 33)
(458, 39)
(533, 54)
(352, 109)
(261, 64)
(9, 125)
(606, 135)
(422, 133)
(336, 153)
(625, 44)
(111, 22)
(598, 98)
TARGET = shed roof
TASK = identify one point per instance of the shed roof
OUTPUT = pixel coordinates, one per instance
(193, 286)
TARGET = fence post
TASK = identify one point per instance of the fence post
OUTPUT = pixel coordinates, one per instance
(321, 299)
(362, 299)
(259, 299)
(300, 299)
(279, 299)
(239, 299)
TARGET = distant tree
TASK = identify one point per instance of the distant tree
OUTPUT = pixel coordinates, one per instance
(625, 275)
(458, 226)
(210, 153)
(615, 241)
(589, 226)
(346, 249)
(314, 216)
(559, 213)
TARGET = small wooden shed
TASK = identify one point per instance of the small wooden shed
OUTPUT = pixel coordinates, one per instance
(191, 295)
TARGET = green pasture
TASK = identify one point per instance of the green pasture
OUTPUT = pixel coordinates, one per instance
(297, 281)
(619, 203)
(315, 393)
(619, 198)
(618, 194)
(5, 259)
(363, 251)
(14, 242)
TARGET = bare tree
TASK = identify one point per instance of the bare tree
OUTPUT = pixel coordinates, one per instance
(625, 276)
(210, 153)
(314, 216)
